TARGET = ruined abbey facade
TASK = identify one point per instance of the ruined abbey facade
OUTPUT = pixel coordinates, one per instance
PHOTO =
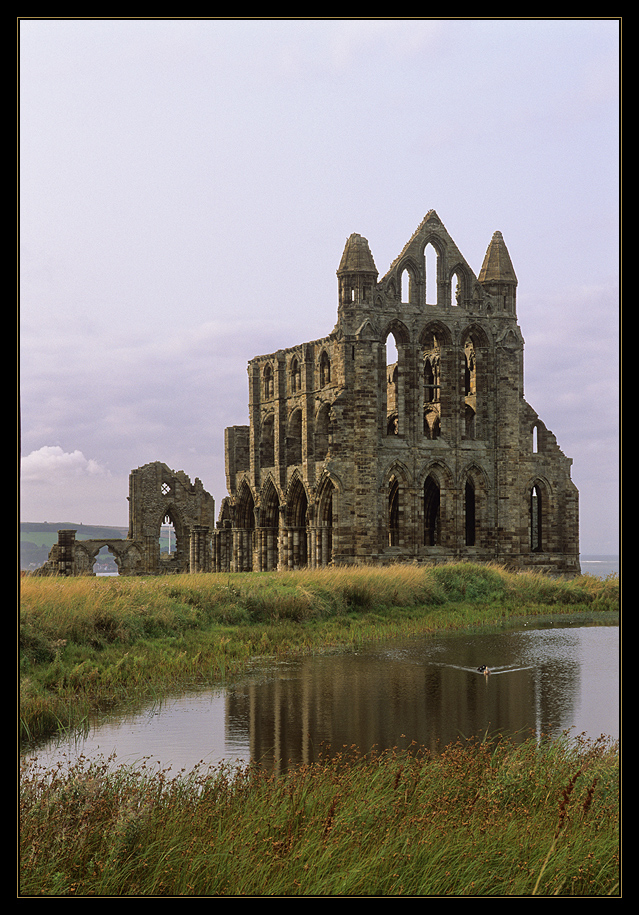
(353, 454)
(432, 454)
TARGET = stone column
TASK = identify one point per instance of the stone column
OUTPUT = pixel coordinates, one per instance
(199, 553)
(66, 552)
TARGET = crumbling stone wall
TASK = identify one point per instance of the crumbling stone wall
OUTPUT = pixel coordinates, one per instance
(156, 495)
(435, 456)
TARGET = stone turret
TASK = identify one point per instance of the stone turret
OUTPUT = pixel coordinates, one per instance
(357, 276)
(497, 275)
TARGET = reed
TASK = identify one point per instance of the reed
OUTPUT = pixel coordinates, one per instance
(87, 644)
(541, 818)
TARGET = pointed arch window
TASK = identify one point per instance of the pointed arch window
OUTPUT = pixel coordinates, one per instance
(431, 265)
(294, 439)
(325, 369)
(432, 516)
(469, 423)
(392, 386)
(268, 382)
(296, 376)
(536, 509)
(407, 286)
(469, 512)
(267, 442)
(393, 512)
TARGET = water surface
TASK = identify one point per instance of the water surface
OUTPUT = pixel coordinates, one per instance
(426, 690)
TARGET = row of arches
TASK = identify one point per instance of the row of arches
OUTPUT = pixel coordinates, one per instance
(440, 514)
(291, 437)
(271, 530)
(294, 376)
(429, 279)
(428, 386)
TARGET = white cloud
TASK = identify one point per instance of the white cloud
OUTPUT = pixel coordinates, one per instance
(50, 464)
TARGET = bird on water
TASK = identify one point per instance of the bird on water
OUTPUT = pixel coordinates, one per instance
(483, 670)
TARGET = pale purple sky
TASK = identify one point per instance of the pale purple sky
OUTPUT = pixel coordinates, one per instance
(187, 188)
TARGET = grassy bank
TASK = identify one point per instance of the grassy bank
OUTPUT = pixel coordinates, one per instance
(537, 819)
(89, 644)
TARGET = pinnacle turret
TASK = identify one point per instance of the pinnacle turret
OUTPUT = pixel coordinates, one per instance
(497, 266)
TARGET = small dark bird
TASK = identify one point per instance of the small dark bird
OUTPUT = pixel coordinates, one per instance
(483, 669)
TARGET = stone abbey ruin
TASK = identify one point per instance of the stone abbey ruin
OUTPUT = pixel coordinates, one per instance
(351, 456)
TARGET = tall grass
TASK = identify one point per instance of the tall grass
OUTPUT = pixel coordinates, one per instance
(475, 820)
(87, 643)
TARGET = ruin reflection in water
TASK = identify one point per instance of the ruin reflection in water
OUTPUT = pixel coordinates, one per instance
(426, 690)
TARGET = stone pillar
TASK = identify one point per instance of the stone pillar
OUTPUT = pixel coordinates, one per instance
(66, 552)
(199, 553)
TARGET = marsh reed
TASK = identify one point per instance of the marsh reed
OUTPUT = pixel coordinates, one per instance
(541, 818)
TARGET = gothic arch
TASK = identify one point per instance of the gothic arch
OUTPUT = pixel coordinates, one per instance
(437, 500)
(294, 431)
(245, 507)
(297, 503)
(462, 293)
(396, 492)
(269, 524)
(322, 430)
(324, 369)
(435, 332)
(539, 512)
(408, 266)
(267, 440)
(475, 488)
(477, 334)
(398, 329)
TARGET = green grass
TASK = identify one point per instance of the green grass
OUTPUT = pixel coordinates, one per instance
(89, 644)
(541, 819)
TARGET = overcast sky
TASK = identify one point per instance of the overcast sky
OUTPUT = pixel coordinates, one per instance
(187, 188)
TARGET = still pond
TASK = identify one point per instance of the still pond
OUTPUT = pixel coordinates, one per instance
(543, 681)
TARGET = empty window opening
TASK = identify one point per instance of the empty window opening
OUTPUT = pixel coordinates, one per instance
(406, 286)
(535, 440)
(167, 536)
(469, 423)
(268, 382)
(322, 432)
(455, 290)
(294, 439)
(432, 424)
(430, 258)
(469, 500)
(535, 519)
(470, 369)
(267, 443)
(431, 512)
(325, 369)
(431, 378)
(296, 376)
(104, 563)
(393, 513)
(392, 386)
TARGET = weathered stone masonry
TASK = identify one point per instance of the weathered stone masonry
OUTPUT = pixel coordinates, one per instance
(433, 457)
(351, 456)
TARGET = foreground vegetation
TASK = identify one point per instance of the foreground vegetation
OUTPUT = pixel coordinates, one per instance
(536, 819)
(90, 644)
